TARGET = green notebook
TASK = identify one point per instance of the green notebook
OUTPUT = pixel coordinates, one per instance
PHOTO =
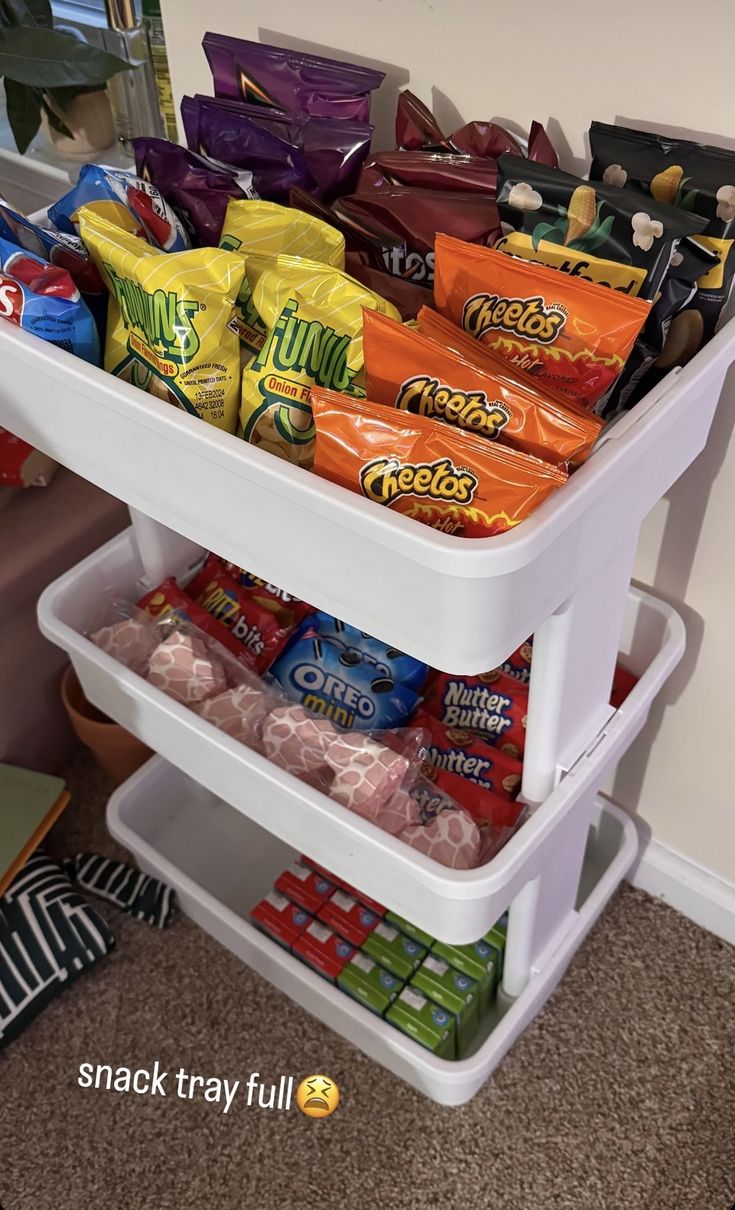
(30, 803)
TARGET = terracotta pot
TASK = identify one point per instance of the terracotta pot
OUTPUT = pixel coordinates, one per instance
(117, 751)
(88, 117)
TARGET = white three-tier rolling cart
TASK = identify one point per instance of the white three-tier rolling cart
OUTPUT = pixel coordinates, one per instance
(219, 822)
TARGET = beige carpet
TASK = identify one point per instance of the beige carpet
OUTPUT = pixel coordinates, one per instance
(621, 1096)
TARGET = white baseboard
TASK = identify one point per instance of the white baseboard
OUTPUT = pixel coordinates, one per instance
(702, 896)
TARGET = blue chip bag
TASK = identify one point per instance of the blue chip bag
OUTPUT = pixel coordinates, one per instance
(43, 299)
(124, 199)
(339, 684)
(66, 251)
(387, 660)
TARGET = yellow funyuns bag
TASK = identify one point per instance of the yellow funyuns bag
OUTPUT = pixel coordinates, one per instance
(169, 321)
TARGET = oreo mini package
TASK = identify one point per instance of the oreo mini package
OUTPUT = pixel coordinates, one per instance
(133, 204)
(571, 334)
(387, 660)
(406, 369)
(340, 684)
(313, 316)
(169, 327)
(450, 480)
(696, 179)
(592, 230)
(42, 299)
(280, 78)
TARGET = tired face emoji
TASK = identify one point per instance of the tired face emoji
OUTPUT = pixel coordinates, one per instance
(317, 1096)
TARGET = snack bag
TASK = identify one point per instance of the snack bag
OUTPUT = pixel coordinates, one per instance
(518, 663)
(282, 149)
(198, 189)
(66, 251)
(418, 130)
(415, 215)
(261, 627)
(169, 327)
(268, 229)
(459, 753)
(313, 315)
(571, 334)
(491, 705)
(452, 481)
(269, 594)
(353, 693)
(408, 370)
(385, 659)
(589, 230)
(429, 170)
(124, 199)
(288, 79)
(169, 602)
(488, 810)
(408, 298)
(693, 177)
(43, 299)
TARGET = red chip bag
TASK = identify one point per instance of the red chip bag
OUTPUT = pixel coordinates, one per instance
(491, 705)
(259, 629)
(463, 755)
(487, 809)
(623, 682)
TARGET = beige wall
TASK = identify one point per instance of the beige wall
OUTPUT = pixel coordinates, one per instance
(666, 64)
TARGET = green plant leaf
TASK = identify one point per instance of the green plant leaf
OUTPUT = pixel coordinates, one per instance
(541, 232)
(24, 113)
(31, 12)
(46, 58)
(56, 122)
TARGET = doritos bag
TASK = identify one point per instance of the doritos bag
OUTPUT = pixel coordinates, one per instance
(452, 481)
(169, 326)
(269, 229)
(405, 368)
(122, 198)
(429, 170)
(571, 334)
(43, 299)
(313, 316)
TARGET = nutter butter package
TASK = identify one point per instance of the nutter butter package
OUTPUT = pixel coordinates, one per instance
(569, 333)
(458, 751)
(407, 369)
(589, 229)
(313, 317)
(694, 178)
(169, 327)
(280, 78)
(491, 705)
(265, 228)
(452, 481)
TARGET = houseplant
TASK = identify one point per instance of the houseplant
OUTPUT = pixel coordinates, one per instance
(45, 71)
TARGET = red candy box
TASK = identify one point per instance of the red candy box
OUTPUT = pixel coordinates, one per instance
(352, 920)
(373, 904)
(281, 919)
(323, 950)
(305, 887)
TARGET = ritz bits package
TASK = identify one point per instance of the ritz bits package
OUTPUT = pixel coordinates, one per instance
(313, 316)
(169, 324)
(571, 334)
(409, 370)
(261, 625)
(453, 481)
(491, 705)
(266, 228)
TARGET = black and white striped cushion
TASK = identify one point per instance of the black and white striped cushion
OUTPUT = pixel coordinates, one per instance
(49, 936)
(138, 894)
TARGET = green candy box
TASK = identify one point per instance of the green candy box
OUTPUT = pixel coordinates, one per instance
(455, 991)
(427, 1023)
(399, 954)
(366, 981)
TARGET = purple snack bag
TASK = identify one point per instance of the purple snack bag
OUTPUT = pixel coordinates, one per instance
(329, 152)
(197, 188)
(289, 79)
(218, 129)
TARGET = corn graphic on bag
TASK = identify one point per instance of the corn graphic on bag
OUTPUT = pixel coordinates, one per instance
(267, 229)
(169, 325)
(313, 314)
(573, 335)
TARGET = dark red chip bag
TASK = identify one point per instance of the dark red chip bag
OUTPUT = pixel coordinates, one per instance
(540, 147)
(416, 126)
(462, 754)
(623, 682)
(260, 630)
(415, 216)
(429, 170)
(485, 139)
(491, 705)
(487, 809)
(370, 244)
(407, 297)
(170, 601)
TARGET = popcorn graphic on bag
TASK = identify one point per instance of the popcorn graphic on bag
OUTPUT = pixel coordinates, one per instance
(645, 230)
(615, 174)
(523, 197)
(726, 203)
